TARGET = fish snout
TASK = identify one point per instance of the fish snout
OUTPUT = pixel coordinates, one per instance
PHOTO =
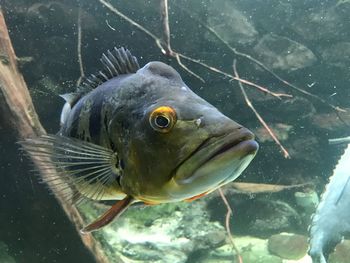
(242, 135)
(219, 159)
(218, 124)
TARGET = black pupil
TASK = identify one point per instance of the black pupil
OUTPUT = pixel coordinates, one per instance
(161, 121)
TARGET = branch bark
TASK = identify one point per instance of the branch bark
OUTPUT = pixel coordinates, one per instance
(17, 109)
(166, 29)
(227, 225)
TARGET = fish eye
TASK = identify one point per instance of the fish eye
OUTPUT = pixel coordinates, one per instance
(162, 119)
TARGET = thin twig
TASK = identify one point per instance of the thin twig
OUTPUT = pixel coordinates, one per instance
(262, 65)
(167, 50)
(164, 48)
(261, 120)
(166, 39)
(227, 224)
(80, 59)
(135, 24)
(166, 29)
(265, 90)
(178, 59)
(17, 106)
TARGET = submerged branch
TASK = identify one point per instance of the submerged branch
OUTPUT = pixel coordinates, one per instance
(261, 120)
(166, 29)
(135, 24)
(227, 225)
(80, 59)
(262, 65)
(166, 48)
(17, 108)
(230, 76)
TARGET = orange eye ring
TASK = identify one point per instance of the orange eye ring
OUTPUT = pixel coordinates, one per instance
(163, 119)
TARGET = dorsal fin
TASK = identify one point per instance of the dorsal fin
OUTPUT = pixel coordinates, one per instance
(116, 62)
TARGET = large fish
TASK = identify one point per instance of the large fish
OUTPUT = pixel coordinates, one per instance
(331, 220)
(140, 134)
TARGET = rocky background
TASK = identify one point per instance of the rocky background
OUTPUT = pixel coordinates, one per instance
(306, 42)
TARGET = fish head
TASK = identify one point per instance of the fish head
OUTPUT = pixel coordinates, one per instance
(179, 146)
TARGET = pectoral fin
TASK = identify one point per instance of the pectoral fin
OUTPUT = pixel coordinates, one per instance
(116, 210)
(90, 170)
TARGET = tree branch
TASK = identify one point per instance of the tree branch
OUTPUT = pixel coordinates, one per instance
(17, 108)
(166, 29)
(80, 58)
(262, 65)
(227, 225)
(261, 120)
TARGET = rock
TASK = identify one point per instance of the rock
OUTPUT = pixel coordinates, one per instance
(230, 23)
(252, 250)
(274, 217)
(282, 53)
(306, 148)
(249, 257)
(337, 54)
(288, 246)
(308, 200)
(332, 121)
(283, 14)
(280, 129)
(4, 256)
(263, 217)
(63, 14)
(341, 253)
(323, 23)
(295, 109)
(162, 233)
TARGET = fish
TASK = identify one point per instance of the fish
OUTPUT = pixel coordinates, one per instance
(135, 134)
(331, 220)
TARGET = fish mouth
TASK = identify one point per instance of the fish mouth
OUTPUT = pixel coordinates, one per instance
(216, 161)
(231, 142)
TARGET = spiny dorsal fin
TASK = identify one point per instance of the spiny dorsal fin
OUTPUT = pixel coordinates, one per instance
(117, 62)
